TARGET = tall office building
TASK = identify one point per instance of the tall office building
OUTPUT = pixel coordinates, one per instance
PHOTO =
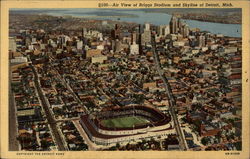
(133, 38)
(147, 26)
(82, 34)
(12, 44)
(146, 35)
(166, 30)
(173, 25)
(116, 33)
(201, 41)
(160, 30)
(180, 24)
(185, 30)
(163, 30)
(118, 45)
(134, 49)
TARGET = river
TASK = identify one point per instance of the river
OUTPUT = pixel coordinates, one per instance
(139, 16)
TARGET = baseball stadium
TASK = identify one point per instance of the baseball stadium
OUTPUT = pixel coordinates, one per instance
(125, 124)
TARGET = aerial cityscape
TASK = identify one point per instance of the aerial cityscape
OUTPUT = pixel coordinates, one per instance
(137, 80)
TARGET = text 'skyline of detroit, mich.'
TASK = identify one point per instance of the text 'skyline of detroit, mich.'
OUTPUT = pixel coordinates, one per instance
(150, 5)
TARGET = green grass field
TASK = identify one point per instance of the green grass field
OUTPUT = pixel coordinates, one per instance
(124, 122)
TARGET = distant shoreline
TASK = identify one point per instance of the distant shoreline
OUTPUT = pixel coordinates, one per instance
(213, 16)
(90, 21)
(97, 16)
(210, 21)
(135, 16)
(203, 17)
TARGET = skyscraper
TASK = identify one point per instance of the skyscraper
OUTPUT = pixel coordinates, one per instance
(118, 45)
(147, 26)
(12, 44)
(166, 30)
(115, 33)
(180, 24)
(163, 30)
(185, 30)
(173, 25)
(146, 35)
(133, 38)
(201, 41)
(134, 49)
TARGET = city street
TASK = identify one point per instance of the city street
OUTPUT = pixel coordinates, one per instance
(170, 97)
(49, 117)
(13, 142)
(92, 146)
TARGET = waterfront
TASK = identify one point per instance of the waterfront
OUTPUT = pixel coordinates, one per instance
(139, 16)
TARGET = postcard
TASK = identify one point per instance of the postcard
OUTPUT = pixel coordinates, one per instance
(125, 79)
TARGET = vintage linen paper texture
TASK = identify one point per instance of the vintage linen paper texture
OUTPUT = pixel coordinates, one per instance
(110, 121)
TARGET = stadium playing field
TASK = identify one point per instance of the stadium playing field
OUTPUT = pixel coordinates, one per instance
(124, 122)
